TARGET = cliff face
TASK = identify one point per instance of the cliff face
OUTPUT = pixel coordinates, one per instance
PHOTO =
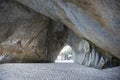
(36, 31)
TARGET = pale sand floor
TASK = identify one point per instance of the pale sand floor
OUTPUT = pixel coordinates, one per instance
(56, 71)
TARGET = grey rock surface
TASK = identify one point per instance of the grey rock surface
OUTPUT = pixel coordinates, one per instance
(37, 30)
(27, 36)
(56, 71)
(97, 21)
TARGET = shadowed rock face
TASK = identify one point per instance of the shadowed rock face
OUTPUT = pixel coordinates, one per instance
(94, 20)
(90, 55)
(36, 31)
(27, 36)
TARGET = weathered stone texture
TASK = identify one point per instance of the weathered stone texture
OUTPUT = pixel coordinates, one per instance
(88, 54)
(36, 31)
(95, 20)
(27, 36)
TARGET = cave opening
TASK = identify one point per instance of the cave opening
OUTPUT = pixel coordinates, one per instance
(66, 55)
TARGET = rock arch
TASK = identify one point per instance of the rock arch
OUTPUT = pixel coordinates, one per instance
(31, 31)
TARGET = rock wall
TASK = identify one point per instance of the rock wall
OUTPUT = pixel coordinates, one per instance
(86, 53)
(27, 36)
(37, 30)
(95, 20)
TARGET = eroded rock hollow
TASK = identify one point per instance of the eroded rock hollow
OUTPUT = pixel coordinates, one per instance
(37, 30)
